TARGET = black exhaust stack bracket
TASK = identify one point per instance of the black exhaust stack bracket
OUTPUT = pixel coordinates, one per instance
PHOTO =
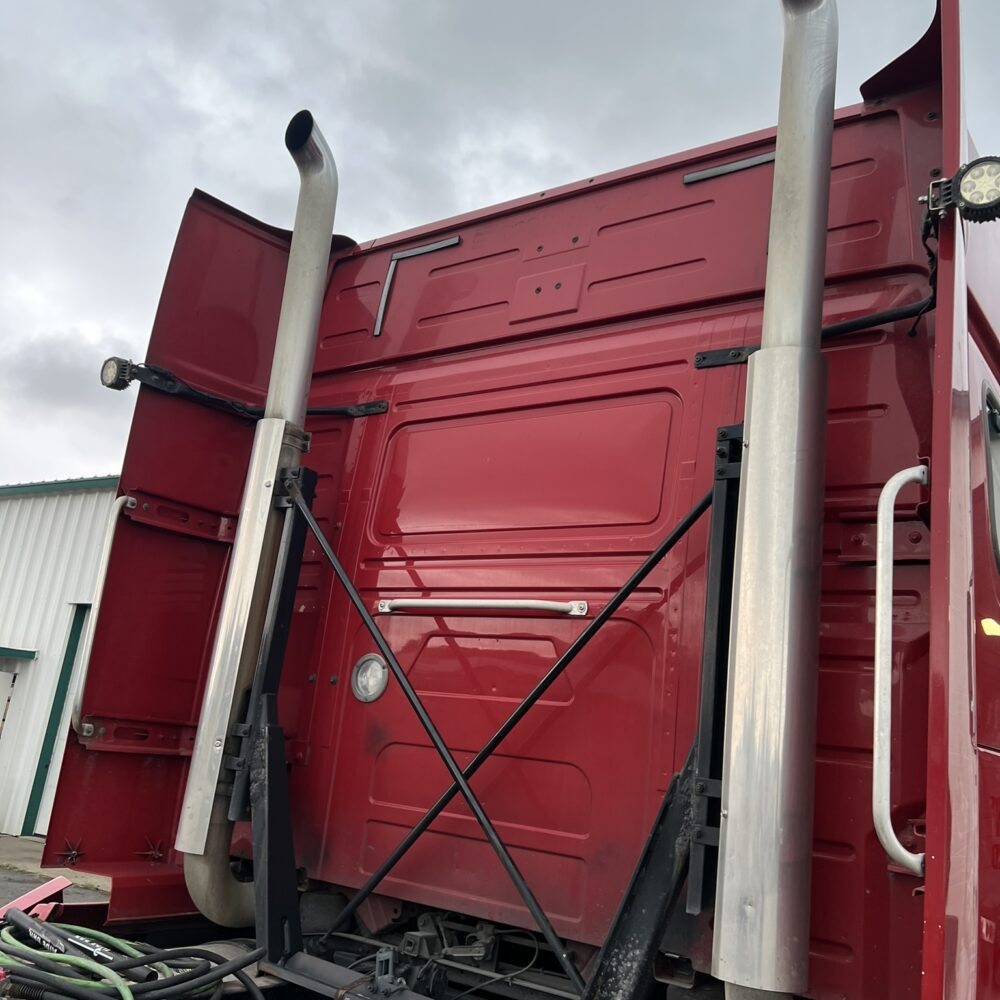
(707, 784)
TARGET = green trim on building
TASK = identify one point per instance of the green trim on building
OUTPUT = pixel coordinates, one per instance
(60, 486)
(55, 715)
(10, 653)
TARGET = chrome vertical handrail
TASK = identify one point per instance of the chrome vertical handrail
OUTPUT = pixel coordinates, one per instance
(882, 739)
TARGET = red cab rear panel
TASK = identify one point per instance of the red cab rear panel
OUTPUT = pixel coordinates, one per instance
(547, 426)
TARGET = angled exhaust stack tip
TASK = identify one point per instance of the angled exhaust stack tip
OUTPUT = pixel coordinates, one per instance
(761, 939)
(305, 282)
(204, 832)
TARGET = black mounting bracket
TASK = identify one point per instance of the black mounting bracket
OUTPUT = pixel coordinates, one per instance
(725, 356)
(709, 742)
(276, 887)
(119, 373)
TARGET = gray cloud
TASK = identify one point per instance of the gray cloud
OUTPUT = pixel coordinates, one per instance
(55, 374)
(113, 112)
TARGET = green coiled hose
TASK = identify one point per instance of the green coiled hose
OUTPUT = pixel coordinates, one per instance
(38, 973)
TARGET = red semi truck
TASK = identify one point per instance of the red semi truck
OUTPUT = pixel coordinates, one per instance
(596, 594)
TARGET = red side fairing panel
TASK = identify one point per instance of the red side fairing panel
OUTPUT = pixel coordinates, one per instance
(962, 903)
(119, 788)
(538, 444)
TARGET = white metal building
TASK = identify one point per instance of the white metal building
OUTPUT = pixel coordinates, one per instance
(51, 536)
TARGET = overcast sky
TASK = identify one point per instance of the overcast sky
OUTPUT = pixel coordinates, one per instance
(113, 111)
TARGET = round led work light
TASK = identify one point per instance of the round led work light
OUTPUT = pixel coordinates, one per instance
(369, 677)
(116, 373)
(975, 190)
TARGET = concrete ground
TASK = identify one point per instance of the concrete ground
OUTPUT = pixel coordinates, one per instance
(21, 870)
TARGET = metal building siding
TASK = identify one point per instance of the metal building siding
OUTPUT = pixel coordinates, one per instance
(50, 544)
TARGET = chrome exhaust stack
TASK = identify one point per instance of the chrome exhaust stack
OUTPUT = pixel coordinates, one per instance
(204, 831)
(761, 942)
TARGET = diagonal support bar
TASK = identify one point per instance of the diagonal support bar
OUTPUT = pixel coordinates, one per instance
(525, 706)
(543, 922)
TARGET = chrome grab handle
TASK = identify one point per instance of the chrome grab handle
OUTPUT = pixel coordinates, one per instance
(575, 609)
(95, 607)
(882, 748)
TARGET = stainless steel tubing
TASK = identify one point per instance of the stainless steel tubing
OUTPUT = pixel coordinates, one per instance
(204, 833)
(761, 938)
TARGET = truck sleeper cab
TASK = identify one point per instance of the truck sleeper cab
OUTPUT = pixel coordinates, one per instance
(508, 411)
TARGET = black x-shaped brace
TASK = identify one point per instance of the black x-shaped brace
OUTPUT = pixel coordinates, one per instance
(460, 778)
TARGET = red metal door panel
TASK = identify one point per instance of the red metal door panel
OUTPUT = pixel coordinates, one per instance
(563, 795)
(545, 471)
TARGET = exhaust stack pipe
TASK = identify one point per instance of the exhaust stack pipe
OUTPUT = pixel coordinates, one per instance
(761, 942)
(305, 280)
(204, 831)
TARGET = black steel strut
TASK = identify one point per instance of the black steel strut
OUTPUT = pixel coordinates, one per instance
(522, 709)
(543, 922)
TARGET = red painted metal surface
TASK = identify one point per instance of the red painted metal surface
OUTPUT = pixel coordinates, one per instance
(120, 786)
(490, 477)
(546, 428)
(953, 951)
(984, 374)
